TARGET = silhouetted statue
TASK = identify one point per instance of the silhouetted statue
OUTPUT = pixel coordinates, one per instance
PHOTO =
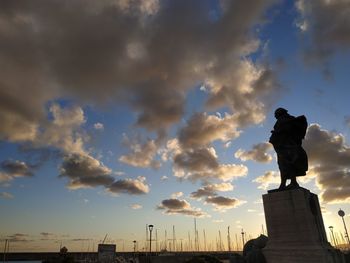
(286, 138)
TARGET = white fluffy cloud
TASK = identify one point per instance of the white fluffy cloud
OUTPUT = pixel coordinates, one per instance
(136, 186)
(211, 189)
(222, 203)
(202, 164)
(258, 153)
(175, 206)
(10, 169)
(98, 126)
(142, 155)
(202, 129)
(329, 158)
(136, 206)
(269, 178)
(84, 171)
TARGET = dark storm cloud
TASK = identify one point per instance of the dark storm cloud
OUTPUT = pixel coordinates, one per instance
(329, 25)
(130, 186)
(329, 158)
(176, 206)
(258, 153)
(143, 52)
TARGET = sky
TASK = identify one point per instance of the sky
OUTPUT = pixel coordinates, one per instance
(117, 114)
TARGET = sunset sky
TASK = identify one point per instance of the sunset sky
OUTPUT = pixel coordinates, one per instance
(120, 113)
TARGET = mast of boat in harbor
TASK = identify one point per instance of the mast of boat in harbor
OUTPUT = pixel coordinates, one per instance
(228, 239)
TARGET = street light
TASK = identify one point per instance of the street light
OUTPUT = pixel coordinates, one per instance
(134, 245)
(150, 227)
(243, 238)
(341, 213)
(331, 229)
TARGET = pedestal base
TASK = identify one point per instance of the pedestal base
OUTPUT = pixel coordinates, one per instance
(295, 229)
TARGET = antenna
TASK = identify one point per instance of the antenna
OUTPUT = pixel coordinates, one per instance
(104, 239)
(156, 240)
(195, 235)
(146, 241)
(205, 240)
(174, 240)
(220, 241)
(236, 242)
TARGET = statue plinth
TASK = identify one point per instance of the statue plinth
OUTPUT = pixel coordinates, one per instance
(295, 229)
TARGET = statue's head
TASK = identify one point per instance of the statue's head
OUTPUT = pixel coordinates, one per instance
(280, 112)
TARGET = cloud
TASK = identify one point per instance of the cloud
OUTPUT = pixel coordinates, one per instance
(6, 195)
(142, 155)
(10, 169)
(202, 164)
(211, 189)
(176, 206)
(16, 168)
(98, 126)
(136, 206)
(258, 153)
(18, 237)
(329, 159)
(47, 236)
(177, 194)
(63, 132)
(269, 178)
(84, 171)
(222, 203)
(197, 160)
(347, 120)
(164, 178)
(143, 64)
(241, 90)
(129, 186)
(202, 129)
(218, 221)
(328, 23)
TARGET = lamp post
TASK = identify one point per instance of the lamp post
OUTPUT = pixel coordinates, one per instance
(341, 213)
(150, 227)
(242, 238)
(331, 229)
(134, 246)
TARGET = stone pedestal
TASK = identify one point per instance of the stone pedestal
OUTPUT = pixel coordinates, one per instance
(295, 229)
